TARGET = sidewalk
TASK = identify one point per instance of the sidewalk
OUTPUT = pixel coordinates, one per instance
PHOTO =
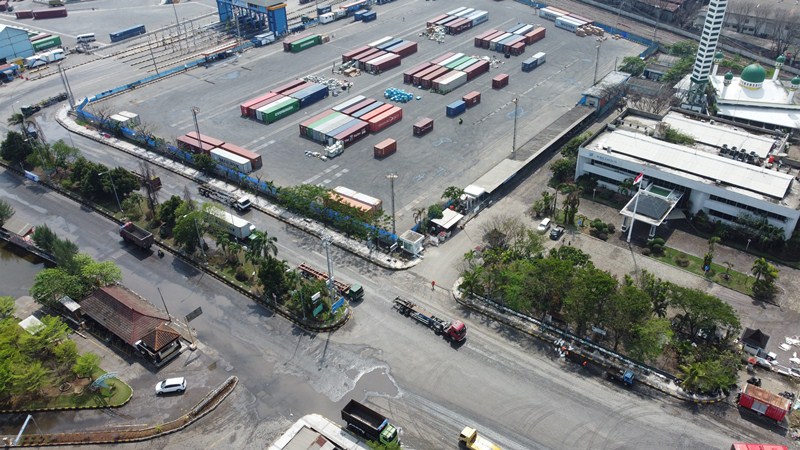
(317, 229)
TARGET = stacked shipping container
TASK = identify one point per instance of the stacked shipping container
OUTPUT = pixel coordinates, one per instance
(445, 73)
(381, 55)
(459, 20)
(221, 151)
(512, 41)
(350, 120)
(283, 101)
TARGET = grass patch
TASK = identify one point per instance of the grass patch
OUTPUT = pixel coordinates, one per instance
(81, 396)
(737, 281)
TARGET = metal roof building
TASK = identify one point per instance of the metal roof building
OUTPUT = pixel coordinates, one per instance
(14, 44)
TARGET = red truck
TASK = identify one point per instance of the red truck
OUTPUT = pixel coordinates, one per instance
(764, 402)
(453, 330)
(136, 235)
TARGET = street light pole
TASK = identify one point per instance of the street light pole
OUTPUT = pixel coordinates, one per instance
(392, 176)
(113, 187)
(596, 62)
(514, 138)
(195, 110)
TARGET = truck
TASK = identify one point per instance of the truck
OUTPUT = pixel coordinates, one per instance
(240, 203)
(470, 439)
(353, 292)
(622, 376)
(370, 424)
(263, 39)
(764, 402)
(44, 58)
(451, 330)
(136, 235)
(233, 225)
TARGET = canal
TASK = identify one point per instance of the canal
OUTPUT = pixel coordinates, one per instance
(17, 270)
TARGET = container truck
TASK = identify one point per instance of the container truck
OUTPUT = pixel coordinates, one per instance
(470, 439)
(136, 235)
(263, 39)
(353, 292)
(233, 225)
(764, 402)
(240, 203)
(370, 424)
(451, 330)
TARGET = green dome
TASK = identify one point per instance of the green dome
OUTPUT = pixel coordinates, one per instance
(781, 59)
(754, 73)
(729, 76)
(719, 55)
(796, 81)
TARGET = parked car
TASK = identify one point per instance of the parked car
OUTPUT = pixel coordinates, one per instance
(544, 225)
(171, 385)
(556, 233)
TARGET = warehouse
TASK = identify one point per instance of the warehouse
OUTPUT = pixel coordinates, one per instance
(728, 171)
(14, 44)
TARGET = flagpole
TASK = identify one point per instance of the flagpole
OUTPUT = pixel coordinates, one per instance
(635, 204)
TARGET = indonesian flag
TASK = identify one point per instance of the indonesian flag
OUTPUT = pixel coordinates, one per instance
(638, 179)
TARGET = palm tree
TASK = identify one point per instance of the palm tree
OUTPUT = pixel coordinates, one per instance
(761, 268)
(419, 214)
(625, 186)
(262, 245)
(712, 242)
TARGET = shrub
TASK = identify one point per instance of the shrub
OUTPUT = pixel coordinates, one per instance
(602, 236)
(646, 251)
(611, 228)
(682, 261)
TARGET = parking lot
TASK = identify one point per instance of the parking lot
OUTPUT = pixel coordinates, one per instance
(452, 154)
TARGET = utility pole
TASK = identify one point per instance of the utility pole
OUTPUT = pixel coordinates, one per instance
(596, 62)
(195, 110)
(152, 56)
(112, 187)
(392, 176)
(177, 25)
(326, 242)
(514, 139)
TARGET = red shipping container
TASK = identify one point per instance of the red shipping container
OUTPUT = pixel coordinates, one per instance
(442, 58)
(453, 26)
(500, 81)
(377, 112)
(472, 99)
(251, 111)
(349, 55)
(427, 81)
(297, 88)
(214, 142)
(353, 134)
(24, 14)
(435, 19)
(417, 79)
(406, 49)
(367, 54)
(191, 144)
(479, 38)
(487, 39)
(255, 158)
(408, 75)
(423, 126)
(384, 148)
(49, 13)
(535, 36)
(517, 49)
(369, 50)
(476, 69)
(378, 123)
(383, 66)
(246, 107)
(287, 86)
(764, 402)
(306, 123)
(357, 106)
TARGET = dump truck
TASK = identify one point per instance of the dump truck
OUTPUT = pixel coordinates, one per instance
(368, 423)
(240, 203)
(470, 439)
(136, 235)
(622, 376)
(764, 402)
(451, 330)
(353, 292)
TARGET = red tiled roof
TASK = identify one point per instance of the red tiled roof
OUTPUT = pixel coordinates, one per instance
(123, 312)
(160, 337)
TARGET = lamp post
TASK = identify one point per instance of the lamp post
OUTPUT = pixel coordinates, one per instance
(596, 62)
(392, 176)
(113, 187)
(195, 110)
(748, 245)
(514, 138)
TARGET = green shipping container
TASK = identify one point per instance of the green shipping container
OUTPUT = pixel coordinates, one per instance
(308, 42)
(44, 44)
(466, 64)
(458, 62)
(276, 112)
(317, 124)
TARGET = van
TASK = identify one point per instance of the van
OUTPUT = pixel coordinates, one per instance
(85, 38)
(544, 225)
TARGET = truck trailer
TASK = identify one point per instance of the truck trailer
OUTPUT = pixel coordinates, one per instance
(239, 203)
(451, 330)
(136, 235)
(470, 439)
(764, 402)
(353, 292)
(370, 424)
(233, 225)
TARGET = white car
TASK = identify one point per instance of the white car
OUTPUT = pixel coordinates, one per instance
(171, 385)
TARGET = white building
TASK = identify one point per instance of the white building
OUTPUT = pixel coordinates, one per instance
(727, 172)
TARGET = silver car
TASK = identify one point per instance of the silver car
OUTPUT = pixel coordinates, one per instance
(171, 385)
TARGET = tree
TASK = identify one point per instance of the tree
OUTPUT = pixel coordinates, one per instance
(649, 339)
(132, 206)
(98, 274)
(632, 65)
(7, 306)
(204, 163)
(15, 119)
(626, 311)
(625, 186)
(188, 228)
(15, 148)
(703, 314)
(31, 378)
(64, 252)
(272, 275)
(570, 149)
(571, 203)
(762, 268)
(453, 195)
(563, 169)
(261, 245)
(6, 211)
(712, 243)
(50, 284)
(166, 211)
(435, 211)
(86, 365)
(585, 301)
(44, 238)
(658, 291)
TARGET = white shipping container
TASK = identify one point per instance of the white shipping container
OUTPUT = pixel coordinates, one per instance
(480, 18)
(349, 103)
(135, 120)
(465, 12)
(493, 42)
(524, 30)
(451, 59)
(380, 41)
(120, 119)
(231, 160)
(452, 81)
(456, 11)
(379, 59)
(364, 198)
(345, 192)
(548, 14)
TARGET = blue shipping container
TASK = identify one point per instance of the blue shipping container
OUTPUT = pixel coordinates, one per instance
(367, 109)
(359, 14)
(391, 43)
(348, 125)
(311, 94)
(369, 17)
(323, 10)
(456, 108)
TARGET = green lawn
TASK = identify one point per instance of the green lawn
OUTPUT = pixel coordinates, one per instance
(116, 394)
(736, 280)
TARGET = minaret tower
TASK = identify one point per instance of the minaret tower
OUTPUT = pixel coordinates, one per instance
(793, 88)
(712, 28)
(778, 64)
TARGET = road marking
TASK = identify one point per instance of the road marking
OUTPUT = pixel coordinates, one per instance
(265, 144)
(324, 172)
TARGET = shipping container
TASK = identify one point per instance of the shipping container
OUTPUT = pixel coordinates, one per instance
(190, 144)
(764, 402)
(303, 44)
(359, 14)
(433, 21)
(24, 14)
(278, 110)
(478, 19)
(524, 30)
(298, 88)
(458, 26)
(342, 128)
(449, 82)
(212, 141)
(369, 16)
(362, 104)
(380, 41)
(551, 13)
(456, 11)
(456, 108)
(454, 57)
(331, 125)
(417, 78)
(353, 134)
(383, 63)
(127, 33)
(472, 99)
(446, 20)
(476, 69)
(465, 64)
(246, 109)
(580, 18)
(46, 43)
(386, 119)
(533, 62)
(536, 35)
(358, 114)
(260, 105)
(368, 50)
(311, 95)
(493, 43)
(51, 13)
(349, 202)
(348, 103)
(465, 12)
(500, 81)
(328, 114)
(323, 10)
(514, 28)
(362, 62)
(405, 49)
(273, 102)
(423, 126)
(384, 148)
(477, 40)
(505, 45)
(40, 36)
(442, 58)
(368, 54)
(376, 112)
(254, 158)
(485, 42)
(388, 44)
(231, 160)
(3, 5)
(427, 80)
(518, 48)
(457, 62)
(287, 86)
(349, 55)
(569, 24)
